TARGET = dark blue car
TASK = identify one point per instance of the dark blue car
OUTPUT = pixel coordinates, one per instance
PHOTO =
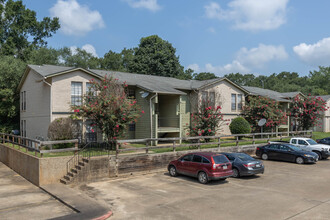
(244, 165)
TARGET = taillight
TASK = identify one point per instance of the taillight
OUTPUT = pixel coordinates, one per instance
(258, 148)
(248, 165)
(214, 166)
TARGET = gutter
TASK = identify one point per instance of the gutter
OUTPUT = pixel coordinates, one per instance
(150, 102)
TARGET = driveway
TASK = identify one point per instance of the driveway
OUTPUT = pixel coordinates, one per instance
(20, 199)
(284, 191)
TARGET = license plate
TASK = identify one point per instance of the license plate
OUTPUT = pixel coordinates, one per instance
(257, 165)
(224, 167)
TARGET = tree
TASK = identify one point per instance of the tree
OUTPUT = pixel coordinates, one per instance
(307, 111)
(11, 73)
(207, 121)
(259, 107)
(155, 56)
(118, 61)
(44, 55)
(186, 75)
(20, 31)
(321, 81)
(204, 76)
(78, 58)
(109, 107)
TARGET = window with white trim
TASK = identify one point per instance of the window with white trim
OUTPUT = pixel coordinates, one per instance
(76, 93)
(233, 102)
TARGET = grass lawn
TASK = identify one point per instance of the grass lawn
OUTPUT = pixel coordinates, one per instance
(100, 152)
(320, 135)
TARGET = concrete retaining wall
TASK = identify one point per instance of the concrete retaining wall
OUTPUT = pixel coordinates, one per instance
(41, 171)
(23, 164)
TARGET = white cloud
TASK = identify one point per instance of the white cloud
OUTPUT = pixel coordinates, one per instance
(87, 47)
(317, 54)
(249, 59)
(151, 5)
(76, 19)
(90, 49)
(250, 14)
(194, 67)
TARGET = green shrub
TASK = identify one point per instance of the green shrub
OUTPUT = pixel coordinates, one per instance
(63, 129)
(240, 125)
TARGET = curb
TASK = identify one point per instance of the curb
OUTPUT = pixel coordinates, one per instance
(103, 217)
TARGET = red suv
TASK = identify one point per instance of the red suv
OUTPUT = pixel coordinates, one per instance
(203, 165)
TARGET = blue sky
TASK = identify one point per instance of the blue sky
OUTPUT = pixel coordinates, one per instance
(220, 36)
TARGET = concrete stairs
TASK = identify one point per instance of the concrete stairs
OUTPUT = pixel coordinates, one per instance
(69, 177)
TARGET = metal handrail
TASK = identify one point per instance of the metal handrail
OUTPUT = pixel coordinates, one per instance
(75, 158)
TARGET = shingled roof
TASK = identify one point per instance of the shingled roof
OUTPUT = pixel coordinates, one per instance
(151, 83)
(267, 93)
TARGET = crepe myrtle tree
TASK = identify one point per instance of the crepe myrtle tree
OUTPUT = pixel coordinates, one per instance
(207, 121)
(307, 112)
(107, 104)
(258, 107)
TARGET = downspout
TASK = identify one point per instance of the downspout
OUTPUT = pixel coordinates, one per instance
(50, 99)
(151, 114)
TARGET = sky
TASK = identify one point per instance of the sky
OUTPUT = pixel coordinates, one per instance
(261, 37)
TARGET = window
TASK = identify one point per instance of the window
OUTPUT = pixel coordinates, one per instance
(187, 157)
(212, 98)
(131, 94)
(284, 148)
(230, 157)
(23, 100)
(302, 142)
(197, 159)
(294, 141)
(91, 134)
(239, 101)
(273, 147)
(220, 159)
(23, 128)
(89, 89)
(204, 96)
(206, 160)
(208, 98)
(233, 102)
(131, 127)
(76, 93)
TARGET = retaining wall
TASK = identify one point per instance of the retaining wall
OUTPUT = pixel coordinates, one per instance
(41, 171)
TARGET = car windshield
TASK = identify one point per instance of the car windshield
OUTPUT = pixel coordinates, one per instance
(294, 148)
(244, 157)
(311, 142)
(218, 159)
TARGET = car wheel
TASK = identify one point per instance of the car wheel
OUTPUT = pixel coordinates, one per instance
(319, 155)
(202, 177)
(299, 160)
(235, 173)
(264, 156)
(172, 171)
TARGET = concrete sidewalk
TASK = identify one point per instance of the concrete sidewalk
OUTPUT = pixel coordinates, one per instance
(20, 199)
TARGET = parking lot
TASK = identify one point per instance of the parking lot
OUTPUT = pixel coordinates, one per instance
(284, 191)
